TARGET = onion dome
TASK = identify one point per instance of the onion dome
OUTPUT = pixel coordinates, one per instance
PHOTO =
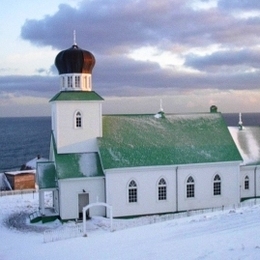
(75, 60)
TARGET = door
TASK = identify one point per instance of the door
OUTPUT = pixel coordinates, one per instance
(83, 200)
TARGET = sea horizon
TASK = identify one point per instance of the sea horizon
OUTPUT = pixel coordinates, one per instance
(24, 138)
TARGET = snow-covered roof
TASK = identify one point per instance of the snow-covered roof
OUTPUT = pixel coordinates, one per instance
(248, 143)
(4, 183)
(144, 140)
(20, 172)
(78, 165)
(46, 175)
(32, 163)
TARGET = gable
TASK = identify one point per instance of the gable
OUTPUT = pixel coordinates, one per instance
(143, 140)
(248, 143)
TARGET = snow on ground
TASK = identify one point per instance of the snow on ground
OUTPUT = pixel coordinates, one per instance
(232, 234)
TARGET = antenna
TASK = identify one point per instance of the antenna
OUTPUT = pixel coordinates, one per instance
(240, 123)
(161, 107)
(74, 38)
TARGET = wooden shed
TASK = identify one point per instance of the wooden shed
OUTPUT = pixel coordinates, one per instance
(20, 180)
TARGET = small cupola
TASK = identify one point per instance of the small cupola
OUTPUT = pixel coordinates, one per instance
(161, 113)
(213, 109)
(75, 67)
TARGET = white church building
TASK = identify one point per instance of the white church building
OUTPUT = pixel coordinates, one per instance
(139, 164)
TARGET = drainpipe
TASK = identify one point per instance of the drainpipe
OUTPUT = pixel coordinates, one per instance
(177, 198)
(255, 181)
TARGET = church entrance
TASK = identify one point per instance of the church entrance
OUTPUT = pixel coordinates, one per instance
(83, 201)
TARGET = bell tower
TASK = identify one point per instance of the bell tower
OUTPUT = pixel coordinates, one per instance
(76, 108)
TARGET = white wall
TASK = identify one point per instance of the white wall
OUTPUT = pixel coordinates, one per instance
(253, 172)
(204, 176)
(147, 178)
(69, 190)
(70, 139)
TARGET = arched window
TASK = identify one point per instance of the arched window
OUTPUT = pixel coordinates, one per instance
(132, 192)
(217, 185)
(246, 184)
(162, 189)
(190, 188)
(78, 120)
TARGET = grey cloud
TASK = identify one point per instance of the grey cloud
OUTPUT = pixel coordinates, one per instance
(246, 58)
(33, 85)
(112, 28)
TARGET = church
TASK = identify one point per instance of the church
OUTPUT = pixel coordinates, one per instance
(139, 164)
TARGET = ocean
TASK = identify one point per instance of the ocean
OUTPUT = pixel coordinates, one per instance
(24, 138)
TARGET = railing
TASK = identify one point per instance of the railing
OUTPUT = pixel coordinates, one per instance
(63, 233)
(17, 192)
(76, 230)
(120, 224)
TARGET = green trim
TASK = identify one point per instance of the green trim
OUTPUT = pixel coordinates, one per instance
(77, 96)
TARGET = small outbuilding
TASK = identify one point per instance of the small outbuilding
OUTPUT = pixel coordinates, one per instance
(20, 180)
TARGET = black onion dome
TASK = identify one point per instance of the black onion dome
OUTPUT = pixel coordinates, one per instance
(75, 60)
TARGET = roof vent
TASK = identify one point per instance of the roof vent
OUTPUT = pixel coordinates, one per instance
(213, 109)
(160, 114)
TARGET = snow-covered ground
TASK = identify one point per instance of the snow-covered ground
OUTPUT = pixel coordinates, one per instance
(232, 234)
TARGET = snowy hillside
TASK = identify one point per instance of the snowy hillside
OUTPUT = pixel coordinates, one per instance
(232, 234)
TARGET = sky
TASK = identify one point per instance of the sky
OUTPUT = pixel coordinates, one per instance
(230, 234)
(190, 54)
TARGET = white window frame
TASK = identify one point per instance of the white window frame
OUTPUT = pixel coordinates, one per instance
(162, 190)
(190, 188)
(132, 192)
(217, 189)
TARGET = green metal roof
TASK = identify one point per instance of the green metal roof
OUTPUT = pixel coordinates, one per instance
(77, 165)
(77, 95)
(46, 175)
(144, 140)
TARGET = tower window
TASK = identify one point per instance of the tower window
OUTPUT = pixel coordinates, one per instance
(78, 120)
(77, 81)
(70, 83)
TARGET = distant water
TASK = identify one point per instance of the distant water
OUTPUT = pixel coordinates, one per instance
(23, 138)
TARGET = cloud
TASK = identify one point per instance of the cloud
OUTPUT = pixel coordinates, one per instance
(33, 85)
(183, 30)
(246, 59)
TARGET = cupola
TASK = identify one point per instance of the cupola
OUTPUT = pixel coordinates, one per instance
(75, 68)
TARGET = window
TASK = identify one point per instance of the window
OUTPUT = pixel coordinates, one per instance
(132, 192)
(70, 83)
(217, 185)
(78, 121)
(190, 189)
(246, 184)
(62, 82)
(77, 81)
(162, 190)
